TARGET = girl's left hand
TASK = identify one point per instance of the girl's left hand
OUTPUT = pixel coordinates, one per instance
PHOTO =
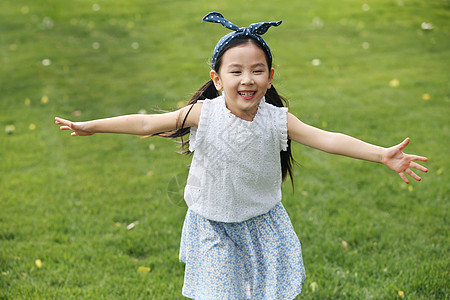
(401, 163)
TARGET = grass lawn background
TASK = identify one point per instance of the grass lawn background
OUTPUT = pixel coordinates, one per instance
(376, 70)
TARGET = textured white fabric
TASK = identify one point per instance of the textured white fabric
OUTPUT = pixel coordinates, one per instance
(236, 172)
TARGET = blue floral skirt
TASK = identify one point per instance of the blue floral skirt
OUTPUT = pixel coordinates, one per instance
(259, 258)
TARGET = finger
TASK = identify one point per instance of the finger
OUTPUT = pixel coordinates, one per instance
(59, 120)
(403, 177)
(418, 167)
(419, 158)
(404, 143)
(65, 128)
(413, 175)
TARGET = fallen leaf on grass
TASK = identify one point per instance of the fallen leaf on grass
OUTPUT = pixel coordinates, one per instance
(76, 113)
(401, 294)
(344, 244)
(426, 97)
(45, 99)
(394, 83)
(143, 270)
(38, 263)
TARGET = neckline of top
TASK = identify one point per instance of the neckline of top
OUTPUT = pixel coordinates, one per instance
(230, 114)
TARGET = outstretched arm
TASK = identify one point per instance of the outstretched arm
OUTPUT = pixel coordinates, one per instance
(135, 124)
(337, 143)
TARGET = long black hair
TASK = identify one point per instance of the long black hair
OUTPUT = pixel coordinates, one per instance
(209, 91)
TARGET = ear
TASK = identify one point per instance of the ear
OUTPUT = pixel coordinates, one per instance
(216, 80)
(269, 85)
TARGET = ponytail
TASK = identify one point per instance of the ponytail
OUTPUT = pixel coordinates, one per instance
(207, 91)
(287, 159)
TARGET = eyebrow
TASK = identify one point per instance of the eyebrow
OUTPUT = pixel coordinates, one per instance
(253, 66)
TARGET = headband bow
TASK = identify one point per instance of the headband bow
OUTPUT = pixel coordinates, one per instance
(254, 31)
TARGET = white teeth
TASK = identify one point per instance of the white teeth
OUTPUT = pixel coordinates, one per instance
(246, 94)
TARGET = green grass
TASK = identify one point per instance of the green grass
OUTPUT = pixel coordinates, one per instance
(67, 201)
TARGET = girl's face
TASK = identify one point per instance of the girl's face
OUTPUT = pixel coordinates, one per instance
(245, 77)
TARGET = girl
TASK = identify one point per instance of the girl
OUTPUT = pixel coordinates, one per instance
(237, 240)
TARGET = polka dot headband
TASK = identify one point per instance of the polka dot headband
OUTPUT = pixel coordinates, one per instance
(254, 31)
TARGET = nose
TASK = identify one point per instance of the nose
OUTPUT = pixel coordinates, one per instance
(247, 79)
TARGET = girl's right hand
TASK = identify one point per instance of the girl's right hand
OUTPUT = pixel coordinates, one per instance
(76, 127)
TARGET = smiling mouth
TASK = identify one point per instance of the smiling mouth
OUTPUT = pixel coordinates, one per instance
(247, 94)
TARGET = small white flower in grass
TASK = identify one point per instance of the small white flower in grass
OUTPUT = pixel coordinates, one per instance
(426, 26)
(317, 23)
(46, 62)
(316, 62)
(96, 7)
(132, 225)
(96, 45)
(366, 7)
(9, 129)
(314, 286)
(365, 45)
(142, 111)
(135, 45)
(151, 147)
(47, 23)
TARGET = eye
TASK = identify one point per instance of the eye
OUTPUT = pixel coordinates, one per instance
(235, 72)
(258, 71)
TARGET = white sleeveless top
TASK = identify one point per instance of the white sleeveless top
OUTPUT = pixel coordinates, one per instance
(235, 173)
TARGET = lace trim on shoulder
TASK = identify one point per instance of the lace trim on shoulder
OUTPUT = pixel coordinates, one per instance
(197, 132)
(282, 125)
